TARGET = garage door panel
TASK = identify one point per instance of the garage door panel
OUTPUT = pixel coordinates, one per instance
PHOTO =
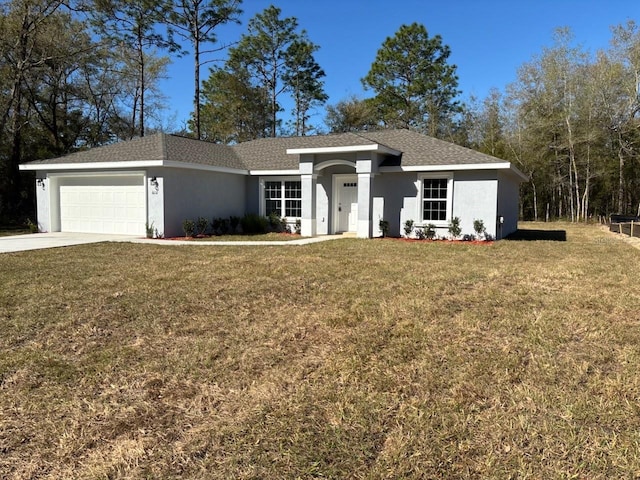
(103, 205)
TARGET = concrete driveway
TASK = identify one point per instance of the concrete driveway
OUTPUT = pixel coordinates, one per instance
(20, 243)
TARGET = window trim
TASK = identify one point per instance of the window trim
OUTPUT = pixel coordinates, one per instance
(448, 176)
(283, 197)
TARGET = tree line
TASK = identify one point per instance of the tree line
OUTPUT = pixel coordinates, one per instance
(570, 122)
(77, 74)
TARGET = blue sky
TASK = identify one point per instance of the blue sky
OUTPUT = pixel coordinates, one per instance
(489, 39)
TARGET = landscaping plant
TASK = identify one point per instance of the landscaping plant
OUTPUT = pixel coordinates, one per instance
(384, 227)
(408, 228)
(189, 228)
(479, 228)
(454, 228)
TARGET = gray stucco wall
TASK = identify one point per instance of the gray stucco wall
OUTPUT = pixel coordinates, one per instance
(394, 200)
(475, 198)
(252, 185)
(508, 203)
(189, 194)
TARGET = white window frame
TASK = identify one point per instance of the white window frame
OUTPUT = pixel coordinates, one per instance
(283, 198)
(420, 198)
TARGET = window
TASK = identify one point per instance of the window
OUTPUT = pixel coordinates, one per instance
(435, 198)
(293, 199)
(283, 197)
(273, 197)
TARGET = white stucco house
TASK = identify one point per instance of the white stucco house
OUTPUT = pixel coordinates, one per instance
(333, 183)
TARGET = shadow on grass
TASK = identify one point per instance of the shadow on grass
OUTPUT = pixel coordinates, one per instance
(533, 235)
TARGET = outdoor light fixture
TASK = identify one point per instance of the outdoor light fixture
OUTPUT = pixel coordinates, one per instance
(40, 182)
(154, 183)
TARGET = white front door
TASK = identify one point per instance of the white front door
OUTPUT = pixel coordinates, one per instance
(346, 203)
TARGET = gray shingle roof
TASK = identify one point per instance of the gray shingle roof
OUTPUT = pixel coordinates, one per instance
(271, 153)
(418, 149)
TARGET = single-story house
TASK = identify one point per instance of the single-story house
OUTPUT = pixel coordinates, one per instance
(332, 183)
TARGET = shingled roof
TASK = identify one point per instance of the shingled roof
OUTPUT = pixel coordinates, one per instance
(271, 153)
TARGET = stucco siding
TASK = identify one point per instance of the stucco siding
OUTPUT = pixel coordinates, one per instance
(252, 185)
(394, 197)
(189, 194)
(508, 203)
(474, 198)
(43, 194)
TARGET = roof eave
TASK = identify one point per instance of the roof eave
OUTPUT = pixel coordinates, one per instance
(458, 167)
(52, 167)
(344, 149)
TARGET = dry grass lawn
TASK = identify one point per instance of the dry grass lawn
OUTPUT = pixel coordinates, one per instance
(346, 359)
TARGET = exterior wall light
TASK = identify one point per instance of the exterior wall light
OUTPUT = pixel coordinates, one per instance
(154, 183)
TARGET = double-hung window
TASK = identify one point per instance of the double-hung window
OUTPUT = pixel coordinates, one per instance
(283, 197)
(435, 198)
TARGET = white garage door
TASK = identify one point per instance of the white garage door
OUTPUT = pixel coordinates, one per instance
(103, 204)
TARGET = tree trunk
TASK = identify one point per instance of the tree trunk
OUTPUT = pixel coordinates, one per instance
(196, 95)
(620, 179)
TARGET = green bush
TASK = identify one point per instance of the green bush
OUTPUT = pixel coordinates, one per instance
(479, 228)
(219, 226)
(408, 228)
(298, 227)
(384, 227)
(33, 227)
(430, 231)
(253, 224)
(454, 228)
(189, 227)
(233, 224)
(201, 225)
(276, 223)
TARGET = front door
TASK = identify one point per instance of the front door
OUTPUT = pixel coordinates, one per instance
(347, 203)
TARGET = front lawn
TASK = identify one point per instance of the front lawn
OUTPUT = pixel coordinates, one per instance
(342, 359)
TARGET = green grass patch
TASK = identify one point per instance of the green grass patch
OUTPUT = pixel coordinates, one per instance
(343, 359)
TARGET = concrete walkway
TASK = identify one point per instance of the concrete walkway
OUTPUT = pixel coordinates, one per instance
(36, 241)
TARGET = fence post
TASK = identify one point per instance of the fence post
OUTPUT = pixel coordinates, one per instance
(631, 232)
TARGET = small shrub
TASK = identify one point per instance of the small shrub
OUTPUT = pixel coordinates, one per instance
(201, 225)
(219, 226)
(33, 227)
(189, 227)
(454, 228)
(298, 227)
(276, 223)
(149, 229)
(479, 228)
(233, 224)
(384, 227)
(421, 233)
(253, 224)
(158, 234)
(488, 237)
(467, 237)
(408, 228)
(430, 231)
